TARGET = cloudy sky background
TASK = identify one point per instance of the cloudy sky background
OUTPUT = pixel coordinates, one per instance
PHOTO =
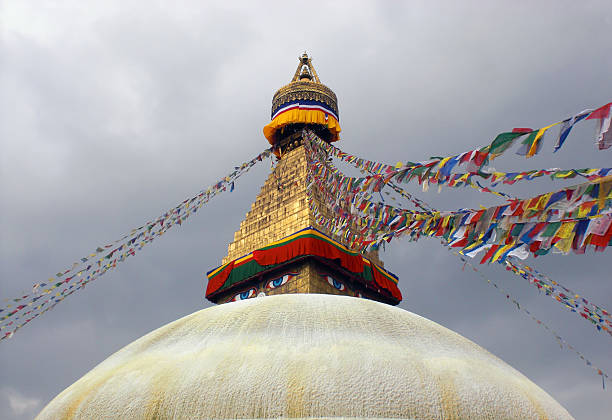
(112, 112)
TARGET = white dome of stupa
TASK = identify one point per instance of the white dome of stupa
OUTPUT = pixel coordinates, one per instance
(303, 356)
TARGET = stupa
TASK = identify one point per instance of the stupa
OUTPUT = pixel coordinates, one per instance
(306, 327)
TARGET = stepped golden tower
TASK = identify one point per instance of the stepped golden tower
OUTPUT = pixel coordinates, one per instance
(281, 215)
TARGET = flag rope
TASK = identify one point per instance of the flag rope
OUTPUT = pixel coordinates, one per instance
(96, 264)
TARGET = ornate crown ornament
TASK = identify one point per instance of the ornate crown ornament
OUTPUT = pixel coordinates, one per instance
(305, 85)
(308, 90)
(305, 101)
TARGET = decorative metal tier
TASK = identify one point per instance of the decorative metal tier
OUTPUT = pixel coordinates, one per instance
(305, 85)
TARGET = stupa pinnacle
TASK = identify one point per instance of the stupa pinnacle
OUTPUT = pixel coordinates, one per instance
(292, 105)
(279, 248)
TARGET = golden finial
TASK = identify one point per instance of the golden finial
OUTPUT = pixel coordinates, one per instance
(305, 100)
(305, 70)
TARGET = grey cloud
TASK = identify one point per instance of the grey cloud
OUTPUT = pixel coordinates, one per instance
(114, 112)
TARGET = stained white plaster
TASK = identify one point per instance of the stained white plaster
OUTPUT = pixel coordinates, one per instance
(303, 356)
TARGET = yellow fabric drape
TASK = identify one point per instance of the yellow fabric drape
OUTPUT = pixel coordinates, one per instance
(306, 116)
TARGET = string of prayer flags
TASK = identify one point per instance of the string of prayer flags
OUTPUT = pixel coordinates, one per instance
(45, 295)
(597, 316)
(563, 220)
(574, 302)
(347, 189)
(339, 201)
(536, 225)
(414, 200)
(346, 223)
(587, 310)
(440, 167)
(426, 176)
(372, 216)
(562, 342)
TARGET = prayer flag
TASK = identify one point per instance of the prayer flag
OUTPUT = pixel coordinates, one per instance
(567, 127)
(604, 115)
(503, 141)
(536, 144)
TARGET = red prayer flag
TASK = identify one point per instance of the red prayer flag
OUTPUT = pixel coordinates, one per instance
(489, 254)
(480, 157)
(601, 112)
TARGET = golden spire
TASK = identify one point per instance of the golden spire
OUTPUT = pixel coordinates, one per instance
(305, 70)
(304, 101)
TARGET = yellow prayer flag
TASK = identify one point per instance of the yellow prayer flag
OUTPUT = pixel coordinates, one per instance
(441, 165)
(445, 221)
(538, 137)
(501, 252)
(565, 245)
(532, 203)
(585, 208)
(443, 162)
(565, 230)
(605, 188)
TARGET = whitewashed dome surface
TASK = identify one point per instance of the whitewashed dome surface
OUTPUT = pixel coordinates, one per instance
(303, 356)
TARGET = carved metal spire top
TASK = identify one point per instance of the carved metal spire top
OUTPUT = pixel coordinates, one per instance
(305, 86)
(303, 101)
(305, 70)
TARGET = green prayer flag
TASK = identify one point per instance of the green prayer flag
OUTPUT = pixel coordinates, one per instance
(530, 138)
(419, 170)
(526, 143)
(516, 229)
(471, 236)
(502, 142)
(551, 229)
(563, 174)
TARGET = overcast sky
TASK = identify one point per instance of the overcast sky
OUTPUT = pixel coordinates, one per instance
(112, 112)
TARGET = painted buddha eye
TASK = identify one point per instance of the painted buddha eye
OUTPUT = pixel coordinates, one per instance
(247, 294)
(274, 283)
(335, 283)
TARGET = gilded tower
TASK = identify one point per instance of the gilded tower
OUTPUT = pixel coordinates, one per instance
(279, 247)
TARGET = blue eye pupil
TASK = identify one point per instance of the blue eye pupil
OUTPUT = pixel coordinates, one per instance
(244, 295)
(277, 282)
(337, 284)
